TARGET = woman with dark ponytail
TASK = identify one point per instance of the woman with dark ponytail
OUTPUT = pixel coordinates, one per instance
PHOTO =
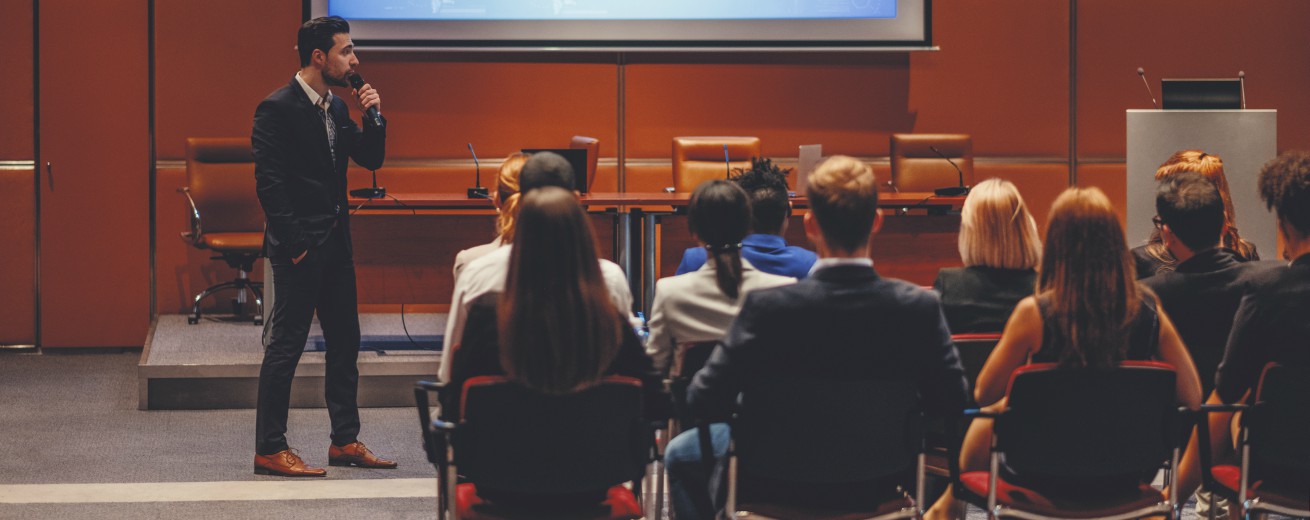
(699, 306)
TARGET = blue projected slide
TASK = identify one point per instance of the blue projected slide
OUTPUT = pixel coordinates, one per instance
(495, 10)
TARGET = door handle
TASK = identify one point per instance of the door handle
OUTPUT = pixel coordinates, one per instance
(50, 175)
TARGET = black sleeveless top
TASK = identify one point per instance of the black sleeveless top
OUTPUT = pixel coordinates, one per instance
(1143, 334)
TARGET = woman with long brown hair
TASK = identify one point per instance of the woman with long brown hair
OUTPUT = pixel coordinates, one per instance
(1153, 257)
(555, 328)
(1089, 312)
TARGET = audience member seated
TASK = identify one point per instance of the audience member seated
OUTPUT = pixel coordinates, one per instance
(1203, 290)
(554, 329)
(1273, 317)
(487, 274)
(1088, 312)
(1153, 256)
(843, 322)
(764, 248)
(1000, 250)
(505, 198)
(699, 306)
(1273, 321)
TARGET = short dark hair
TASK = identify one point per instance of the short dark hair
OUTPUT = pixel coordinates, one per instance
(766, 185)
(546, 169)
(1192, 207)
(1285, 188)
(319, 34)
(844, 199)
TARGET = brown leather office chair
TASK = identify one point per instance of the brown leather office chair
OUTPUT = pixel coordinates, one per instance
(592, 146)
(699, 159)
(916, 167)
(225, 214)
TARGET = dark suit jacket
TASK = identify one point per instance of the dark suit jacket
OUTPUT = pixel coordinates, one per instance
(1272, 325)
(302, 191)
(981, 299)
(1201, 297)
(843, 322)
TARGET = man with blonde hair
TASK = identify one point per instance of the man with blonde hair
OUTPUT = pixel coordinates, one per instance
(857, 326)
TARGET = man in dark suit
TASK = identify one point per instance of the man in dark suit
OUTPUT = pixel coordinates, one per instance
(1273, 321)
(301, 139)
(843, 322)
(1202, 294)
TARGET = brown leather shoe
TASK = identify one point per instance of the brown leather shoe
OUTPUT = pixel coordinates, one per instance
(356, 454)
(287, 464)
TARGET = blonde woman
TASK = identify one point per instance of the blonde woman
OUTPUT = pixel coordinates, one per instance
(1000, 250)
(1153, 257)
(505, 198)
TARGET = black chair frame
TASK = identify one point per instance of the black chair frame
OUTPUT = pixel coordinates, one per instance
(1169, 435)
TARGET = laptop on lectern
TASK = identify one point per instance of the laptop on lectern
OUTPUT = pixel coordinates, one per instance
(1201, 94)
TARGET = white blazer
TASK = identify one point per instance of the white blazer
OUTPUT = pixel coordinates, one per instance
(691, 308)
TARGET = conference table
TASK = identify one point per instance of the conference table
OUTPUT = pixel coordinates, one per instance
(405, 243)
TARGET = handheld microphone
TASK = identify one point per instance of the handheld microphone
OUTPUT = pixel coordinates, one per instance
(371, 112)
(477, 191)
(953, 191)
(727, 163)
(1142, 73)
(1241, 81)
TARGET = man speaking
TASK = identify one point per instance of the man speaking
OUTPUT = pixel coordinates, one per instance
(302, 137)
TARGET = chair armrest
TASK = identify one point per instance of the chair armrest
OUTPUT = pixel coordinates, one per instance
(1219, 408)
(978, 412)
(197, 232)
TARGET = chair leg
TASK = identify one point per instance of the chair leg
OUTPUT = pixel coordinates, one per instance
(194, 318)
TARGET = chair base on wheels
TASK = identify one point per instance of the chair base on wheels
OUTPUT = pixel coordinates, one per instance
(243, 263)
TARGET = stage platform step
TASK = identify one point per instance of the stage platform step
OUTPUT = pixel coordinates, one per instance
(215, 363)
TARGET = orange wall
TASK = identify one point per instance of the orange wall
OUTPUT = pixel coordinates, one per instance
(1268, 39)
(17, 263)
(1002, 74)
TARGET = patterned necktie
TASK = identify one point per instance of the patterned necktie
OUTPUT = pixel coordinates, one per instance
(330, 126)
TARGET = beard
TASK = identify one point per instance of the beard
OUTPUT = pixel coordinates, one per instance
(341, 81)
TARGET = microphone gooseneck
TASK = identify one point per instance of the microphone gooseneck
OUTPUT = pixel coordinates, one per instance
(953, 191)
(1241, 81)
(477, 191)
(1141, 72)
(727, 163)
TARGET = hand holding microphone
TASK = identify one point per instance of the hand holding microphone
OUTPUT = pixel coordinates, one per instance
(369, 100)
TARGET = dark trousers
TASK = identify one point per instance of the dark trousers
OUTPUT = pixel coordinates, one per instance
(323, 282)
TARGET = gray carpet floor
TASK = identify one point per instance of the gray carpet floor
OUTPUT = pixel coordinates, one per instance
(73, 418)
(220, 341)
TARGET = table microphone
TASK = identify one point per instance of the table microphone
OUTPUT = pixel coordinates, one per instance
(1241, 81)
(727, 163)
(376, 192)
(356, 82)
(477, 191)
(1142, 73)
(953, 191)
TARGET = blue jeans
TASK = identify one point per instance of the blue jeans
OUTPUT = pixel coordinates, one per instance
(696, 490)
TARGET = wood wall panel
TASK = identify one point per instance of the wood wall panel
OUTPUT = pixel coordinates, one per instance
(435, 108)
(18, 275)
(95, 222)
(16, 62)
(214, 63)
(1002, 75)
(1111, 178)
(1197, 39)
